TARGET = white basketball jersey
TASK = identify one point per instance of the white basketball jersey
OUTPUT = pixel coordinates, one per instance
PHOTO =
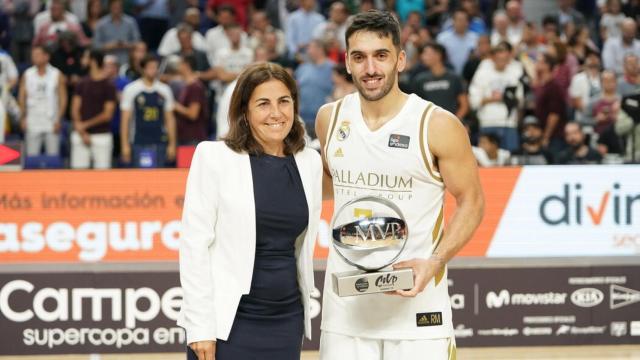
(42, 98)
(392, 162)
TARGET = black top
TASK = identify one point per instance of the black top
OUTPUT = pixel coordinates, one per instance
(439, 89)
(281, 216)
(569, 157)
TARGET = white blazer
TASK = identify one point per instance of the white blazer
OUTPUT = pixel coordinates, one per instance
(218, 238)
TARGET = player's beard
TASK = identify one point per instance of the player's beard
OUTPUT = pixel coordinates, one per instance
(389, 79)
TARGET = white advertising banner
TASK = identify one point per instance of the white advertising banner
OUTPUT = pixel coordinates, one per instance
(571, 211)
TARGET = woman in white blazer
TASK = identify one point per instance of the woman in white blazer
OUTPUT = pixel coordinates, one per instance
(249, 223)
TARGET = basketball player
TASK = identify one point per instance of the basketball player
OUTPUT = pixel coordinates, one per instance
(381, 141)
(43, 102)
(147, 121)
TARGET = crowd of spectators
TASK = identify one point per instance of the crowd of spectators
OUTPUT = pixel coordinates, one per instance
(126, 83)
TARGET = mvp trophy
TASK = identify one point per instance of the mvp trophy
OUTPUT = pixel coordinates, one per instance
(370, 233)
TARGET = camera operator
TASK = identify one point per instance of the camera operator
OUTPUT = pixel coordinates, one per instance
(496, 94)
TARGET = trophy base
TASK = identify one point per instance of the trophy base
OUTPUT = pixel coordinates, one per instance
(360, 282)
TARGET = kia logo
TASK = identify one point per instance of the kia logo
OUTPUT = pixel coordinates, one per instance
(587, 297)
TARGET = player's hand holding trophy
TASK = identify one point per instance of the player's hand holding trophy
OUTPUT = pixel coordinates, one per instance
(370, 233)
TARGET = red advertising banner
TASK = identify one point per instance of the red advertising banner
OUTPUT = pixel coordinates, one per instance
(90, 216)
(134, 215)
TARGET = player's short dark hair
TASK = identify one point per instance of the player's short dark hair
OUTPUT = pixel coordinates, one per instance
(97, 56)
(148, 59)
(383, 23)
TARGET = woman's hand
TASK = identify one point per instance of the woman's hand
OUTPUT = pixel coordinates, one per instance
(205, 350)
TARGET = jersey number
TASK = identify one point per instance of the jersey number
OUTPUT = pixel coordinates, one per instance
(151, 113)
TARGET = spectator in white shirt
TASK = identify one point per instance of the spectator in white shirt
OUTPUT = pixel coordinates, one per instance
(516, 26)
(616, 48)
(260, 26)
(44, 17)
(611, 21)
(217, 38)
(169, 43)
(584, 86)
(335, 26)
(500, 29)
(229, 62)
(496, 94)
(488, 152)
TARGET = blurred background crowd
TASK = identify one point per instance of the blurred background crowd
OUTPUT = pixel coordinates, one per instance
(137, 83)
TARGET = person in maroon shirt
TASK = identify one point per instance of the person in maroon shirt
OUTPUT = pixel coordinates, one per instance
(92, 108)
(191, 107)
(241, 8)
(550, 104)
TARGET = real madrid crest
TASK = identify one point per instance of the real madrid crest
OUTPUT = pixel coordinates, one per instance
(343, 131)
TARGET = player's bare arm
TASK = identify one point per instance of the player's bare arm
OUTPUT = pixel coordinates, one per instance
(323, 118)
(459, 171)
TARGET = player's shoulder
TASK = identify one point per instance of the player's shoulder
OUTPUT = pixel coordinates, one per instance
(133, 86)
(443, 118)
(163, 88)
(325, 111)
(449, 129)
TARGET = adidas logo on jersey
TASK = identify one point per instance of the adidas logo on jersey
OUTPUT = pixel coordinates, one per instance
(338, 153)
(429, 319)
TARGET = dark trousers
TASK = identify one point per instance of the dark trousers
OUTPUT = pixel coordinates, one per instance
(149, 156)
(252, 339)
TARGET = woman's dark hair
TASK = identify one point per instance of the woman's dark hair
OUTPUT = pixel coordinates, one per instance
(382, 23)
(239, 138)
